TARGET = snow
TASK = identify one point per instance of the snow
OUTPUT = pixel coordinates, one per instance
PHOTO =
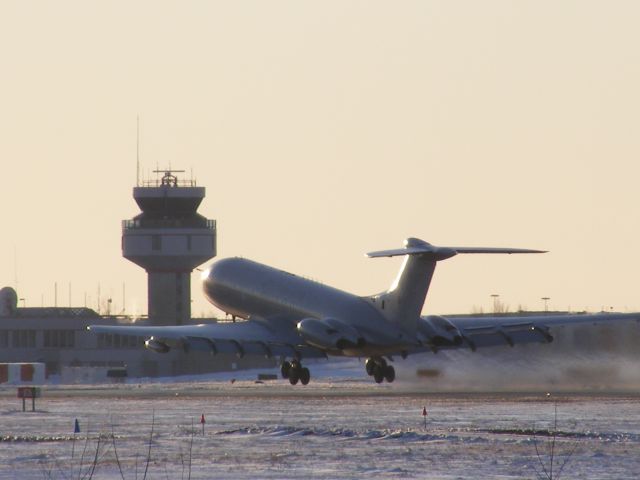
(339, 426)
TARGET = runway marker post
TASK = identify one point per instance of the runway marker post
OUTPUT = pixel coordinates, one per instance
(202, 422)
(424, 415)
(76, 430)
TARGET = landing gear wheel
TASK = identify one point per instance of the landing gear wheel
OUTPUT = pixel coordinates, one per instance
(378, 374)
(378, 368)
(285, 368)
(370, 366)
(295, 372)
(294, 376)
(305, 376)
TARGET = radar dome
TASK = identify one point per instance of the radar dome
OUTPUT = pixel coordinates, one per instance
(8, 301)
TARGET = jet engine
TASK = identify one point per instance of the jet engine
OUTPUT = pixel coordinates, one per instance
(156, 345)
(438, 331)
(328, 334)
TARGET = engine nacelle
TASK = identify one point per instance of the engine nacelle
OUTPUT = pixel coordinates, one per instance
(438, 331)
(328, 334)
(156, 345)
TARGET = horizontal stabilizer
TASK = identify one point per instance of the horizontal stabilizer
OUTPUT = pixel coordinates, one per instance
(495, 250)
(396, 252)
(415, 246)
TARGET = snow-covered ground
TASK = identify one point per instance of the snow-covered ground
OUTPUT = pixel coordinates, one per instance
(340, 426)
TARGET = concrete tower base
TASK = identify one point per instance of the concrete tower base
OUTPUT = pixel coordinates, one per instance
(169, 297)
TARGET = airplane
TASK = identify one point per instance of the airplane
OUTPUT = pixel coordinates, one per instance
(295, 318)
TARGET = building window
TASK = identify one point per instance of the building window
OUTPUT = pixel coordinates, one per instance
(119, 341)
(23, 339)
(156, 242)
(59, 338)
(4, 338)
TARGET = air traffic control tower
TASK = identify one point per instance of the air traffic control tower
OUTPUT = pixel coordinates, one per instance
(169, 239)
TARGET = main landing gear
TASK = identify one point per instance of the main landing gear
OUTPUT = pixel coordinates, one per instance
(378, 369)
(295, 372)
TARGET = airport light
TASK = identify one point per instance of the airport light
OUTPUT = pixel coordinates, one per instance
(495, 297)
(546, 304)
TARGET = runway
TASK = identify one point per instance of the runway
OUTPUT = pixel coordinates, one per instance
(335, 429)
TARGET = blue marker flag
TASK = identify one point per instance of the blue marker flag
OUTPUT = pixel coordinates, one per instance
(76, 428)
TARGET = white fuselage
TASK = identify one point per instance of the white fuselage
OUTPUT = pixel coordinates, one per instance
(247, 289)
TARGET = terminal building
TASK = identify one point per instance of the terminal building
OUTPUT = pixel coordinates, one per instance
(169, 238)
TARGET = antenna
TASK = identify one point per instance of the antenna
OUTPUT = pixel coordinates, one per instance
(138, 151)
(15, 267)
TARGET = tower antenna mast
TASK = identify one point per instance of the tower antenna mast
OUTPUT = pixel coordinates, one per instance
(138, 151)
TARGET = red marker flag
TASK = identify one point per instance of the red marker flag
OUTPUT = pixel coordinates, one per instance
(424, 411)
(202, 422)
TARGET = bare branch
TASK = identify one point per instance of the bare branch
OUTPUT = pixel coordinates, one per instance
(153, 421)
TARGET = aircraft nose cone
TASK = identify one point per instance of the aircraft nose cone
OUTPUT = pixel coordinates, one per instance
(215, 276)
(226, 277)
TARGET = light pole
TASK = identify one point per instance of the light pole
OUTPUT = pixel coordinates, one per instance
(495, 297)
(546, 304)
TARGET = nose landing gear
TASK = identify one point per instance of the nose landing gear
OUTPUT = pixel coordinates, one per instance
(295, 372)
(378, 369)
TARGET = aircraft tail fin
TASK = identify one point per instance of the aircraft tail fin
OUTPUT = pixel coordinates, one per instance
(404, 300)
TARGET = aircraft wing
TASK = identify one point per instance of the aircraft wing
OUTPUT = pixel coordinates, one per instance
(250, 337)
(485, 331)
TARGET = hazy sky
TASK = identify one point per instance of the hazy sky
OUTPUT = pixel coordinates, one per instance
(323, 130)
